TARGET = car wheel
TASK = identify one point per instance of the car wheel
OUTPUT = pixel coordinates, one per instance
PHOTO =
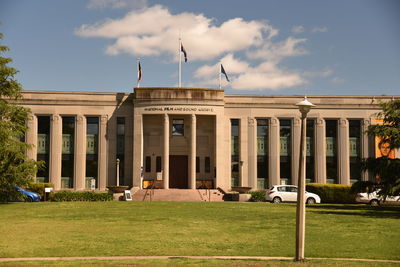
(374, 202)
(310, 200)
(277, 200)
(28, 199)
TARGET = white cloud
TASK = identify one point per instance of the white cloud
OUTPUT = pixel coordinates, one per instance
(277, 51)
(267, 75)
(298, 29)
(154, 31)
(324, 73)
(337, 80)
(116, 4)
(319, 29)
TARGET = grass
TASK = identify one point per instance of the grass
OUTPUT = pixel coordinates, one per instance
(183, 228)
(200, 263)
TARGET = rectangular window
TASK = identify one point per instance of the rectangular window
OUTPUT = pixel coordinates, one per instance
(262, 153)
(235, 152)
(310, 163)
(148, 164)
(121, 148)
(178, 127)
(92, 152)
(67, 158)
(331, 151)
(197, 164)
(207, 164)
(158, 164)
(43, 148)
(355, 134)
(285, 151)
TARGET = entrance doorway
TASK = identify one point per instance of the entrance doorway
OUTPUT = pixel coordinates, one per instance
(178, 171)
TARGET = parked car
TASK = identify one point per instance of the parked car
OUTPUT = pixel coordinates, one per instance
(288, 193)
(374, 199)
(28, 195)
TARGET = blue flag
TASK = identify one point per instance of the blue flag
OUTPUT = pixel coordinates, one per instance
(223, 71)
(184, 52)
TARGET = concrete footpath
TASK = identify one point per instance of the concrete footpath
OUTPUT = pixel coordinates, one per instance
(185, 257)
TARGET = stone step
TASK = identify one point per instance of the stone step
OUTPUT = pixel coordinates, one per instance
(190, 195)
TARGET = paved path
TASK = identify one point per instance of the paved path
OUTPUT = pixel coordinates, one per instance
(183, 257)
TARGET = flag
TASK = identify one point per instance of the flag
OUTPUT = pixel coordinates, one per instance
(223, 71)
(139, 74)
(184, 52)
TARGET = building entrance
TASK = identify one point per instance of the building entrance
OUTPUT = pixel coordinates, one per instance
(178, 171)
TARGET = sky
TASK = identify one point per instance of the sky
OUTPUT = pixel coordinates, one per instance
(279, 47)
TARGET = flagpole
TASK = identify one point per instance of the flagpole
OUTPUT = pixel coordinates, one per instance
(180, 61)
(220, 74)
(137, 66)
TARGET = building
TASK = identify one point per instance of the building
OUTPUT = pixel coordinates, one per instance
(195, 137)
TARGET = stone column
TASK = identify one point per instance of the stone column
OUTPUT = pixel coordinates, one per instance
(320, 151)
(252, 155)
(343, 152)
(112, 150)
(274, 152)
(31, 136)
(166, 152)
(103, 153)
(222, 152)
(296, 149)
(80, 153)
(55, 151)
(243, 152)
(365, 145)
(138, 150)
(192, 176)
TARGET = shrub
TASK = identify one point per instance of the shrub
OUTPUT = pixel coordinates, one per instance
(39, 188)
(257, 196)
(80, 196)
(332, 193)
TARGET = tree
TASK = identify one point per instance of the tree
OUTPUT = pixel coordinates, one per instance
(15, 167)
(385, 170)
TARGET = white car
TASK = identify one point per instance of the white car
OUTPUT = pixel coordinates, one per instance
(374, 199)
(288, 193)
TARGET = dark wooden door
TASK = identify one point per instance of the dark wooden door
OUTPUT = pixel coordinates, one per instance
(178, 171)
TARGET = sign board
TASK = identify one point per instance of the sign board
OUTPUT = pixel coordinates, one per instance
(48, 189)
(159, 176)
(92, 184)
(127, 195)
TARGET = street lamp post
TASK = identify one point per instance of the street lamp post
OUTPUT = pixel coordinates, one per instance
(117, 172)
(304, 107)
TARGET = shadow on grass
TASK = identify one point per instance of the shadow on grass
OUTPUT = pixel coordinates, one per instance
(357, 210)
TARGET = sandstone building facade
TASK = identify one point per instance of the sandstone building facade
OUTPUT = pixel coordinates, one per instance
(195, 138)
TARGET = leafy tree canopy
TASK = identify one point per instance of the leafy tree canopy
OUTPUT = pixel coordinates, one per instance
(385, 170)
(15, 167)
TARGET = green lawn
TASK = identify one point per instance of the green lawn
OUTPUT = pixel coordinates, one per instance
(200, 228)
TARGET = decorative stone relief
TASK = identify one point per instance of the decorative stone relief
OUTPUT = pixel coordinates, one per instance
(296, 121)
(342, 122)
(320, 121)
(251, 121)
(274, 121)
(79, 119)
(55, 117)
(104, 119)
(366, 122)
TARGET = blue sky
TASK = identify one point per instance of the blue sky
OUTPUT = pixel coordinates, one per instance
(267, 47)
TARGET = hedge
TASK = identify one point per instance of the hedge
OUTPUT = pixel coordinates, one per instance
(39, 188)
(257, 196)
(332, 193)
(80, 196)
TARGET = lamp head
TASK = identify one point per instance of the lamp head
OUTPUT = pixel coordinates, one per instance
(305, 105)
